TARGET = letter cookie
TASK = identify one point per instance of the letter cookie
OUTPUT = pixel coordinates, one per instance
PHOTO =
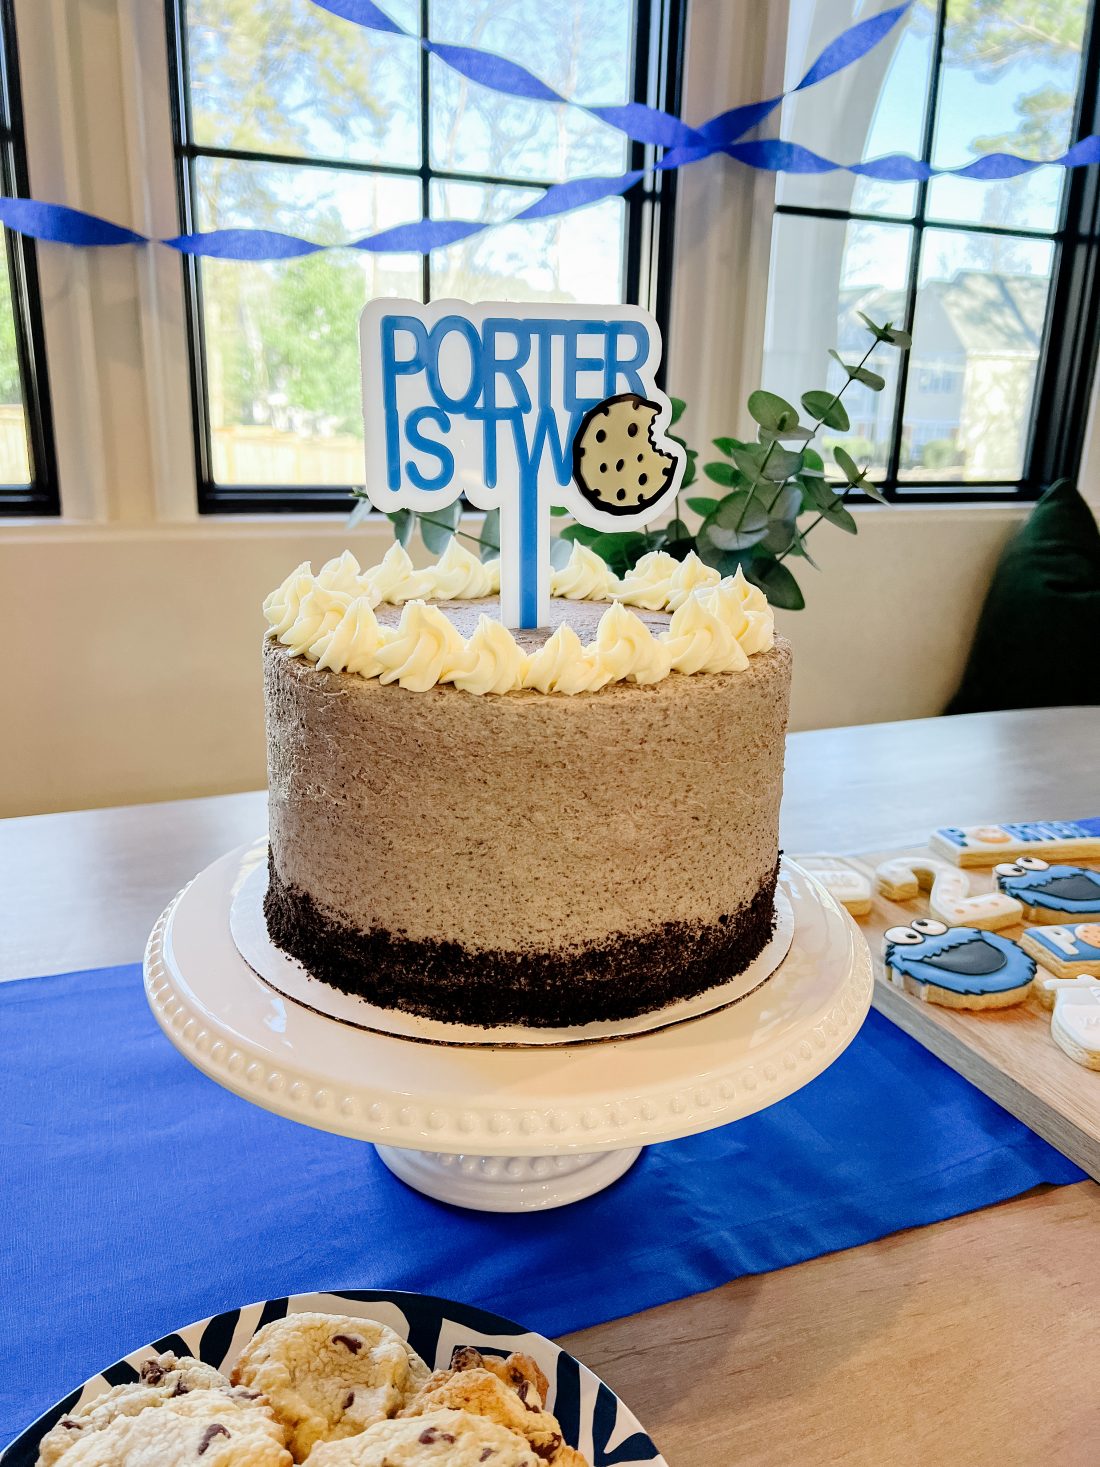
(1075, 1022)
(1050, 894)
(1067, 952)
(959, 967)
(985, 845)
(616, 465)
(841, 880)
(949, 893)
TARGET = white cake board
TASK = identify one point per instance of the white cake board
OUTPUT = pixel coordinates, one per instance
(498, 1128)
(288, 977)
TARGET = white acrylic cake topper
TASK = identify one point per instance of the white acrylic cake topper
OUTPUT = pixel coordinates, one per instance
(518, 407)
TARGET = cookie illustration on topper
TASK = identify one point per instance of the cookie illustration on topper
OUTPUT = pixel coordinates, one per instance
(518, 408)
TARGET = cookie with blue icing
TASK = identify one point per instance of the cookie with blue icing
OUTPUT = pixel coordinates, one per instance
(1068, 951)
(959, 967)
(1051, 894)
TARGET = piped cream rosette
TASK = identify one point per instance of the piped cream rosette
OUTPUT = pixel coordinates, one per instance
(716, 624)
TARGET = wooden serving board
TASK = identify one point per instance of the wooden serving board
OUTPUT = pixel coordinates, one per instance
(1007, 1053)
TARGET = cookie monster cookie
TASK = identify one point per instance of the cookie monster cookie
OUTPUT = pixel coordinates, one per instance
(211, 1428)
(959, 967)
(163, 1378)
(1072, 951)
(436, 1439)
(616, 465)
(329, 1376)
(1050, 894)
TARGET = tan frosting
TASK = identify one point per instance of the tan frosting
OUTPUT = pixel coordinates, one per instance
(717, 625)
(524, 821)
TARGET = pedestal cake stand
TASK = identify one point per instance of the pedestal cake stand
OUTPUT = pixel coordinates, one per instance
(504, 1129)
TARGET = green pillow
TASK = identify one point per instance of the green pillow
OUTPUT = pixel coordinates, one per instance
(1038, 638)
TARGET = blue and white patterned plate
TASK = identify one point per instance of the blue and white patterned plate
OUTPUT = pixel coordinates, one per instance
(592, 1417)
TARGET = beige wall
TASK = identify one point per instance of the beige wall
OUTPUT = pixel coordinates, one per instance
(131, 661)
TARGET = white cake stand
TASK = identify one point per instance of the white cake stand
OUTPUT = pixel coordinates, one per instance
(504, 1130)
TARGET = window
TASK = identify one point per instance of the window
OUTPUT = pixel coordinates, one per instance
(28, 473)
(288, 118)
(993, 279)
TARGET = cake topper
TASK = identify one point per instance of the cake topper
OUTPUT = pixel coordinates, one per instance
(519, 408)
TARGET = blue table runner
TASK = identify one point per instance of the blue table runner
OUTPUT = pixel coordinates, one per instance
(138, 1195)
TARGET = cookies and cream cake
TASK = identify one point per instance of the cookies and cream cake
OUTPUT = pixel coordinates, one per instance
(544, 827)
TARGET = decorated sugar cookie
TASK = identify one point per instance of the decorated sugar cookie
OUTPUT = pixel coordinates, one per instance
(616, 465)
(985, 845)
(841, 880)
(950, 901)
(959, 967)
(1067, 952)
(1050, 894)
(1075, 1022)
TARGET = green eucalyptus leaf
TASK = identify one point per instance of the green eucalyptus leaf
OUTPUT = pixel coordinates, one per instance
(621, 549)
(490, 535)
(840, 517)
(872, 491)
(677, 530)
(813, 465)
(404, 523)
(727, 445)
(868, 378)
(748, 458)
(823, 407)
(560, 551)
(838, 358)
(799, 548)
(796, 434)
(438, 525)
(880, 333)
(776, 582)
(739, 522)
(363, 508)
(584, 533)
(816, 494)
(771, 411)
(899, 338)
(787, 504)
(689, 468)
(721, 473)
(703, 506)
(780, 465)
(558, 510)
(678, 406)
(847, 465)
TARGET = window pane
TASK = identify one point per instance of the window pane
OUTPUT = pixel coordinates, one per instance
(823, 271)
(284, 76)
(15, 464)
(282, 356)
(1008, 85)
(581, 48)
(865, 111)
(577, 257)
(981, 305)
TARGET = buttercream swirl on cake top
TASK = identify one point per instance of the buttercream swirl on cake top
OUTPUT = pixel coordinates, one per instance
(716, 624)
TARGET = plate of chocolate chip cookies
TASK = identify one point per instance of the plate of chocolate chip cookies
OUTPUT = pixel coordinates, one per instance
(347, 1379)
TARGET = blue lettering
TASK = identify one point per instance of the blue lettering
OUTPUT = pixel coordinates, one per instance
(420, 444)
(460, 406)
(625, 368)
(393, 367)
(575, 364)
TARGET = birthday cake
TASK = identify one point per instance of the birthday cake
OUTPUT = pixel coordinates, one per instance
(538, 827)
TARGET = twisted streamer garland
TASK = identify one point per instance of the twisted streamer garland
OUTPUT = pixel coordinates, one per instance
(60, 224)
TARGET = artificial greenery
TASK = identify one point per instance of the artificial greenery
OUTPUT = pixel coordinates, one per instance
(768, 488)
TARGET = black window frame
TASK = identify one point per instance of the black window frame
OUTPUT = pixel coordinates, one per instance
(650, 206)
(42, 495)
(1067, 360)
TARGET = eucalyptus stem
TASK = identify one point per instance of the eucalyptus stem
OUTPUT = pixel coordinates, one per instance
(462, 534)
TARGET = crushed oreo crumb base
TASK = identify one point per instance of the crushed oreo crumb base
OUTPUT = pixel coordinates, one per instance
(628, 975)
